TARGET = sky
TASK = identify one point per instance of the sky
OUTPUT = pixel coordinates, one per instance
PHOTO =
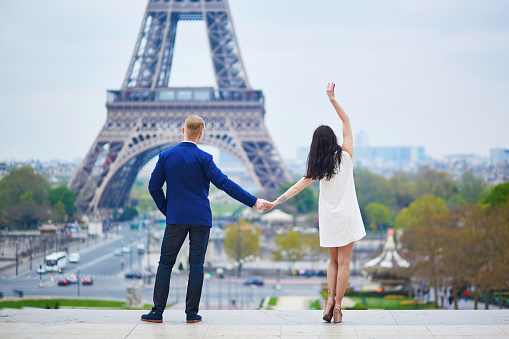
(409, 73)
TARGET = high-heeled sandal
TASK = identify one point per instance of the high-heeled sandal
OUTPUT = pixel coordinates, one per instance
(329, 308)
(338, 316)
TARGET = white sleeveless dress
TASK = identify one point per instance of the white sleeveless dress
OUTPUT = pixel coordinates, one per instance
(339, 216)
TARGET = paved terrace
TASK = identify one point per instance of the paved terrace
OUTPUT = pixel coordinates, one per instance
(103, 324)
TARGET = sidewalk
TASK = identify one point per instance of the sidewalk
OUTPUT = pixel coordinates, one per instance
(104, 324)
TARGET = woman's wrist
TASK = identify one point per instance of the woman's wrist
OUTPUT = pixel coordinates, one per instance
(281, 199)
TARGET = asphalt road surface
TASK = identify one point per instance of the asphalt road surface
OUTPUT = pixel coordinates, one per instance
(98, 261)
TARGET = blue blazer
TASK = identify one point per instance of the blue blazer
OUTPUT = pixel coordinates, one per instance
(188, 172)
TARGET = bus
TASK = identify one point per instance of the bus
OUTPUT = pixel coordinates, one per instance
(56, 262)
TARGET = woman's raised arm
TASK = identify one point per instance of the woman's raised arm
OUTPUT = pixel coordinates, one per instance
(347, 128)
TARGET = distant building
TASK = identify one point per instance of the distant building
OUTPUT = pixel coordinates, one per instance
(384, 160)
(53, 170)
(498, 155)
(361, 140)
(4, 169)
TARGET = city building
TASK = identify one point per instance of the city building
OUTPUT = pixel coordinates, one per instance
(499, 155)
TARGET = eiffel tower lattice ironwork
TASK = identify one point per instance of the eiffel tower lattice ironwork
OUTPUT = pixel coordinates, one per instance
(146, 116)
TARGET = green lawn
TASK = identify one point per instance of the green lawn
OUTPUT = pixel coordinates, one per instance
(314, 305)
(391, 304)
(218, 210)
(272, 301)
(52, 303)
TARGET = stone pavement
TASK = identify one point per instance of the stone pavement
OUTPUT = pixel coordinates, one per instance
(105, 324)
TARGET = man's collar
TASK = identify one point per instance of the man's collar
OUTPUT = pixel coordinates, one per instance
(192, 142)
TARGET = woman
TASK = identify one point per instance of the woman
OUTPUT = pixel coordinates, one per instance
(340, 222)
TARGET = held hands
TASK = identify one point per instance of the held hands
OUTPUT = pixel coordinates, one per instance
(261, 204)
(264, 205)
(271, 205)
(330, 90)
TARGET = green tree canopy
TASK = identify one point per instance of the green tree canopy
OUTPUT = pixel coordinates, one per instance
(378, 214)
(373, 188)
(18, 182)
(24, 198)
(128, 213)
(405, 188)
(430, 181)
(421, 211)
(241, 240)
(471, 187)
(498, 196)
(59, 209)
(304, 202)
(66, 196)
(289, 246)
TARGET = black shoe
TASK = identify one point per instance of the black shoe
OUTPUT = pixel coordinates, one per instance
(152, 317)
(193, 319)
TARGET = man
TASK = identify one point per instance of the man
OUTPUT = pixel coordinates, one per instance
(188, 172)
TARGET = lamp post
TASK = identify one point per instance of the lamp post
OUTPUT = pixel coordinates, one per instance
(78, 277)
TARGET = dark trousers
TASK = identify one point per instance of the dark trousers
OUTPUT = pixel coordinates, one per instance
(174, 237)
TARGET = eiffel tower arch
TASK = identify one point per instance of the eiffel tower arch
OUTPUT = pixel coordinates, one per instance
(145, 117)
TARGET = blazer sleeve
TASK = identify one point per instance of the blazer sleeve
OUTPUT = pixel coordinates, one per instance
(155, 186)
(221, 181)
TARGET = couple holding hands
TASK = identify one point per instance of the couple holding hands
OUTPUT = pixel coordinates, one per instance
(188, 172)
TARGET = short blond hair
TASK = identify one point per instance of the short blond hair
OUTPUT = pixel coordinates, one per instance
(194, 125)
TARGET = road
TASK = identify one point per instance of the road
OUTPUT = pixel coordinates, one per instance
(99, 262)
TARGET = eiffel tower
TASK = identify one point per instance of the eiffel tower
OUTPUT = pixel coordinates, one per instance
(146, 116)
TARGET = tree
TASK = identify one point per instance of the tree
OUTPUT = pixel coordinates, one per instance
(471, 187)
(498, 196)
(478, 253)
(66, 196)
(18, 182)
(59, 209)
(373, 188)
(420, 210)
(128, 213)
(241, 240)
(304, 202)
(378, 214)
(434, 182)
(425, 236)
(405, 188)
(289, 246)
(312, 243)
(24, 198)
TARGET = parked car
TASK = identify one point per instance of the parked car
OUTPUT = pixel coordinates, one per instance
(254, 281)
(133, 275)
(63, 282)
(141, 248)
(71, 278)
(126, 249)
(117, 252)
(74, 258)
(87, 281)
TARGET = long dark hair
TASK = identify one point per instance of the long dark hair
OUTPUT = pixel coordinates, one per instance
(324, 154)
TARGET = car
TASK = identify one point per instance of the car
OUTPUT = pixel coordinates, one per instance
(126, 249)
(254, 281)
(87, 281)
(141, 248)
(74, 258)
(41, 270)
(63, 282)
(71, 278)
(117, 252)
(133, 275)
